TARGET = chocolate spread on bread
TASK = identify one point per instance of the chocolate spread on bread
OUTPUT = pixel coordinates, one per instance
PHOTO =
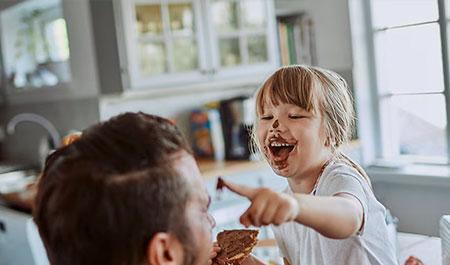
(235, 246)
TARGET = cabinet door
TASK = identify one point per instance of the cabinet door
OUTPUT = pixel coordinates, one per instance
(242, 34)
(164, 42)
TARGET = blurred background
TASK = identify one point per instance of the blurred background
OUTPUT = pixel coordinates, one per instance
(67, 64)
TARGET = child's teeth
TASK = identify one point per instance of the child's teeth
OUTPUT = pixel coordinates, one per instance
(280, 144)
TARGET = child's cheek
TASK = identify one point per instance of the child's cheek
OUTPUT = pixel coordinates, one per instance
(261, 133)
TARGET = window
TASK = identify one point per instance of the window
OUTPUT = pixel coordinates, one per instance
(412, 78)
(35, 45)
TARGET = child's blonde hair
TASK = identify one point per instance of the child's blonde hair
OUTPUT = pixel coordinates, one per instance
(319, 91)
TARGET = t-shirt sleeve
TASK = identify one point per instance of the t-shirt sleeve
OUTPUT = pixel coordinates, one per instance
(281, 246)
(348, 183)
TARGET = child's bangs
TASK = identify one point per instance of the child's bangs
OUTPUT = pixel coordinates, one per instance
(289, 89)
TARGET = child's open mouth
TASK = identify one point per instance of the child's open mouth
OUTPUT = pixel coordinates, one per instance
(280, 150)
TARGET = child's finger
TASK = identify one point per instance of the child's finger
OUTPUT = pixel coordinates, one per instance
(269, 214)
(245, 219)
(213, 255)
(257, 209)
(242, 190)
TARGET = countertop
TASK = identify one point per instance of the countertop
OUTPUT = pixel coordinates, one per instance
(211, 169)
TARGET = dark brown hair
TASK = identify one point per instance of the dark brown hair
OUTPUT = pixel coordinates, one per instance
(101, 199)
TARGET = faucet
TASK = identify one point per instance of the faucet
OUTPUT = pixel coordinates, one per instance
(31, 117)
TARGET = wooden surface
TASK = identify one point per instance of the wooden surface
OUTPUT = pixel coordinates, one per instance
(212, 169)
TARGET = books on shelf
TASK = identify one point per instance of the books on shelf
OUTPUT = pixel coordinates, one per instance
(221, 130)
(296, 39)
(207, 133)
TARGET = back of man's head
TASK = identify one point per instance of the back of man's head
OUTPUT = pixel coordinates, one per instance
(102, 198)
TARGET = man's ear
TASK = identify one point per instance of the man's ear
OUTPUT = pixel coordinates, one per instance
(164, 249)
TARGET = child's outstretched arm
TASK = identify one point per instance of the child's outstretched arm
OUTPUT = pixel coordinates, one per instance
(337, 217)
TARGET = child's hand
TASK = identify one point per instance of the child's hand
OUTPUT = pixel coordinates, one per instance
(413, 261)
(267, 207)
(214, 251)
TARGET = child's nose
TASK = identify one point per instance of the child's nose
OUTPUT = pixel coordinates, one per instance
(277, 126)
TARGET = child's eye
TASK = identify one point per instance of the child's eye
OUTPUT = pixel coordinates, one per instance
(296, 116)
(266, 117)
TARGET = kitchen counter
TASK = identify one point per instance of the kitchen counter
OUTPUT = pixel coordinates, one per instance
(211, 169)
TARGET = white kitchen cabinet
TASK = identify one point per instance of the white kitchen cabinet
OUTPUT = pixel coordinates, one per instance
(20, 242)
(168, 43)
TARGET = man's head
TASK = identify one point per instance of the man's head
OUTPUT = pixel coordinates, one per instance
(127, 192)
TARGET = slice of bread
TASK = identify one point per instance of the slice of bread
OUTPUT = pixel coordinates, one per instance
(235, 246)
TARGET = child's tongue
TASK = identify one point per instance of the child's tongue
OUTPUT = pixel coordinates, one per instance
(282, 154)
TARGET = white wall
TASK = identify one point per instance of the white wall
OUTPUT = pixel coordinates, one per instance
(65, 115)
(177, 106)
(418, 207)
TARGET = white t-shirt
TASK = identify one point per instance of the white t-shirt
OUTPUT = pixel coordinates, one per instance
(303, 245)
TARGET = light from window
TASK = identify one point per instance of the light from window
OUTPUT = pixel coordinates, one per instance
(410, 78)
(56, 35)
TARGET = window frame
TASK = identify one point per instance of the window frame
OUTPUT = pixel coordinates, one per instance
(370, 96)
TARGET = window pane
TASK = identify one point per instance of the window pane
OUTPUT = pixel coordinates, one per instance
(257, 49)
(409, 59)
(447, 8)
(35, 45)
(57, 41)
(185, 54)
(225, 14)
(386, 13)
(253, 14)
(148, 19)
(181, 18)
(152, 58)
(229, 52)
(421, 122)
